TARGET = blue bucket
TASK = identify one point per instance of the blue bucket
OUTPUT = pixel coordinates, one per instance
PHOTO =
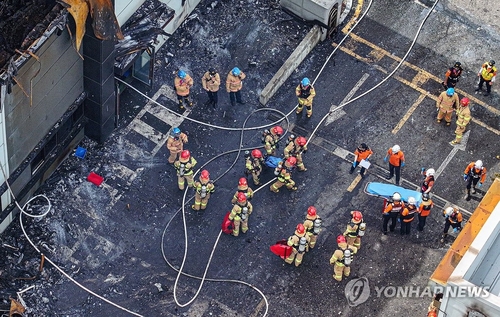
(80, 152)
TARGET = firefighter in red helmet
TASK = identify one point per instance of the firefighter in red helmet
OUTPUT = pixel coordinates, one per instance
(284, 173)
(242, 188)
(203, 188)
(463, 118)
(253, 165)
(355, 229)
(271, 138)
(312, 225)
(295, 148)
(342, 259)
(299, 242)
(184, 166)
(240, 213)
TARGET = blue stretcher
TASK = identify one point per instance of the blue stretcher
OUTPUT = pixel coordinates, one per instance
(387, 190)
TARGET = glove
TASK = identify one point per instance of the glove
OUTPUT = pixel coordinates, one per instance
(479, 185)
(403, 164)
(354, 164)
(455, 230)
(385, 159)
(366, 159)
(465, 177)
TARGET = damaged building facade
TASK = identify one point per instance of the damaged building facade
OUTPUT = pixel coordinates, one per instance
(53, 95)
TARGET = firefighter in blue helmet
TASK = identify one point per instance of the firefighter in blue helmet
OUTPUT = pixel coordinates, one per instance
(305, 93)
(234, 83)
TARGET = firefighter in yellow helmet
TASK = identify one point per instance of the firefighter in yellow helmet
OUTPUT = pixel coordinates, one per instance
(299, 242)
(184, 166)
(312, 225)
(271, 138)
(355, 229)
(203, 188)
(242, 188)
(284, 173)
(305, 93)
(175, 143)
(463, 119)
(240, 213)
(253, 165)
(342, 259)
(295, 148)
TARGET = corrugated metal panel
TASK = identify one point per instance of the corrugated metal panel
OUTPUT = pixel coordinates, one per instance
(487, 272)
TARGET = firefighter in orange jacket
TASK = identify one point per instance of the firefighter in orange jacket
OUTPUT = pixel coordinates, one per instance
(183, 83)
(175, 143)
(428, 182)
(424, 210)
(407, 215)
(271, 138)
(396, 160)
(391, 212)
(363, 152)
(253, 165)
(242, 188)
(234, 83)
(312, 225)
(342, 259)
(203, 188)
(295, 148)
(446, 103)
(284, 174)
(299, 242)
(240, 213)
(487, 75)
(453, 218)
(355, 230)
(184, 166)
(305, 93)
(474, 173)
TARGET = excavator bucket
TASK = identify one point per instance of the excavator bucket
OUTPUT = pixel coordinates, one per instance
(79, 10)
(104, 20)
(281, 249)
(227, 225)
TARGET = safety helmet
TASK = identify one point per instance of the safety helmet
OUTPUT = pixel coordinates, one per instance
(432, 313)
(185, 155)
(412, 201)
(176, 131)
(396, 196)
(357, 216)
(242, 197)
(457, 64)
(450, 91)
(311, 211)
(449, 211)
(396, 149)
(300, 228)
(430, 172)
(305, 81)
(363, 147)
(236, 71)
(181, 74)
(301, 141)
(256, 153)
(491, 63)
(341, 239)
(211, 71)
(425, 196)
(243, 182)
(277, 130)
(464, 102)
(478, 164)
(291, 161)
(205, 174)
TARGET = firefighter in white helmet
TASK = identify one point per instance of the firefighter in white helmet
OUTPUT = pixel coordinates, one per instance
(396, 159)
(391, 212)
(453, 218)
(342, 259)
(299, 242)
(428, 182)
(407, 215)
(474, 175)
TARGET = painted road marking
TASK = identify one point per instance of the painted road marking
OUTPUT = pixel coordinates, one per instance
(408, 114)
(339, 113)
(354, 183)
(452, 154)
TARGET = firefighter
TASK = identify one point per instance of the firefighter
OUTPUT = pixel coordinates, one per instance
(312, 225)
(391, 212)
(211, 83)
(474, 173)
(253, 165)
(428, 182)
(203, 188)
(295, 148)
(355, 230)
(463, 119)
(305, 93)
(452, 75)
(407, 215)
(487, 75)
(242, 188)
(453, 218)
(271, 138)
(396, 160)
(175, 143)
(284, 173)
(424, 210)
(363, 152)
(234, 83)
(299, 242)
(240, 213)
(184, 166)
(342, 259)
(183, 83)
(446, 103)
